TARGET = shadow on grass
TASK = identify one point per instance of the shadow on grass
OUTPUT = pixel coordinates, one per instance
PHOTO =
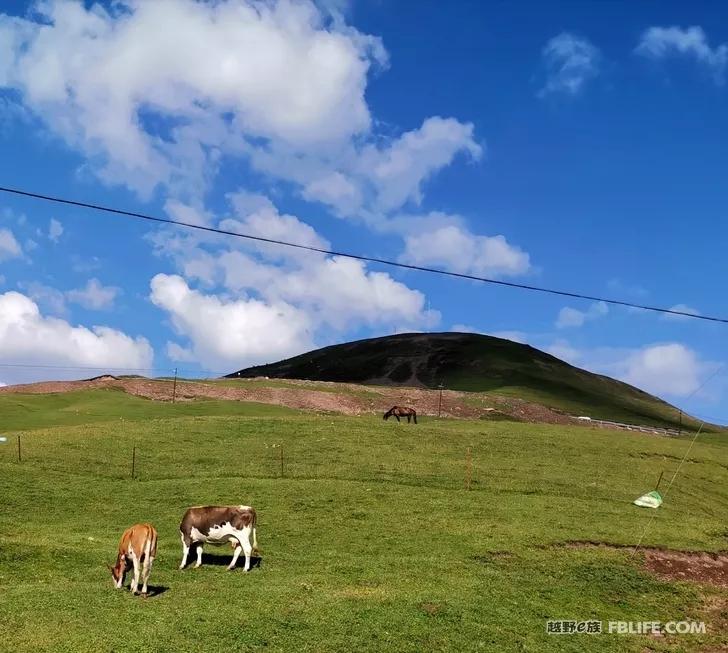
(156, 590)
(223, 560)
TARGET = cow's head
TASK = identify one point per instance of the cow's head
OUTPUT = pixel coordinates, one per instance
(118, 571)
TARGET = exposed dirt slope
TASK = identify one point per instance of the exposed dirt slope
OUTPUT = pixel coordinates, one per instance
(344, 398)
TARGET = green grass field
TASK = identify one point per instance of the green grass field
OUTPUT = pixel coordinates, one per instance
(369, 540)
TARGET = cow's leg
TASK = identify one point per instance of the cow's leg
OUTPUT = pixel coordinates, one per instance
(236, 555)
(147, 565)
(145, 574)
(409, 417)
(185, 550)
(247, 548)
(397, 416)
(135, 580)
(199, 555)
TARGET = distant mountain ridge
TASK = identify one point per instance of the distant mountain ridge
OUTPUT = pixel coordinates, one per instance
(476, 363)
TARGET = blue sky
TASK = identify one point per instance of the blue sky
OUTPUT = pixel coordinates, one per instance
(578, 146)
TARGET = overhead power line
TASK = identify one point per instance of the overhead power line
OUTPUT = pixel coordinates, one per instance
(358, 257)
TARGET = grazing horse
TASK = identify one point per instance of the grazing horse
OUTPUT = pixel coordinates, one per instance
(138, 546)
(401, 411)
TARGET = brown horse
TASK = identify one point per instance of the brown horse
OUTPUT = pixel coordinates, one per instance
(401, 411)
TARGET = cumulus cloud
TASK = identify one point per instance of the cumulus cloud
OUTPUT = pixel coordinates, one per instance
(665, 369)
(572, 317)
(224, 332)
(94, 295)
(55, 230)
(29, 337)
(311, 294)
(149, 105)
(669, 369)
(455, 248)
(369, 181)
(9, 246)
(570, 62)
(662, 42)
(398, 171)
(281, 84)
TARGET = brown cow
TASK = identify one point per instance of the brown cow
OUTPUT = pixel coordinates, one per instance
(401, 411)
(138, 544)
(217, 525)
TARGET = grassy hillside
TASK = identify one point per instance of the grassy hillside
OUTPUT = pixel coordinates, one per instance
(369, 540)
(477, 363)
(32, 411)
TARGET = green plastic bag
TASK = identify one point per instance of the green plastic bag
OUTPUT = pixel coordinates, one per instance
(650, 500)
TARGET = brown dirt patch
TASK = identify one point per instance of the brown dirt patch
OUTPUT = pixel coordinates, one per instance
(698, 567)
(705, 568)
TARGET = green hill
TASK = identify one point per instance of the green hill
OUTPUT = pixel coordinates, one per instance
(477, 363)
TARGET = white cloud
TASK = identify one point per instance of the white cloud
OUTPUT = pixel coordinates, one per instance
(563, 350)
(234, 332)
(94, 295)
(665, 369)
(455, 248)
(398, 171)
(683, 308)
(661, 42)
(55, 230)
(153, 105)
(336, 190)
(9, 246)
(28, 337)
(48, 298)
(570, 62)
(370, 181)
(312, 294)
(572, 317)
(277, 83)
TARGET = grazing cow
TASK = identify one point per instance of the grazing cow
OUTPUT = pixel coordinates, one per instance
(401, 411)
(217, 525)
(138, 544)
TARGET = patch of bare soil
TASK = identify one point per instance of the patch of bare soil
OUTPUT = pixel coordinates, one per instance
(699, 567)
(346, 398)
(694, 566)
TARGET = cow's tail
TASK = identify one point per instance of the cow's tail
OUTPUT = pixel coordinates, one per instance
(255, 532)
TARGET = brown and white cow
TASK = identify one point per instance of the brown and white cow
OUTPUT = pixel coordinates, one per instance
(217, 525)
(138, 544)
